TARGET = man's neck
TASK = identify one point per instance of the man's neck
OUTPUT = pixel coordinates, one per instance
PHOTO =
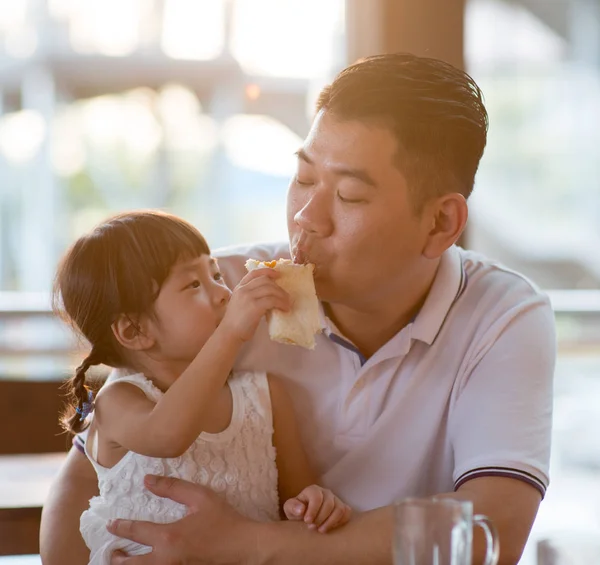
(372, 325)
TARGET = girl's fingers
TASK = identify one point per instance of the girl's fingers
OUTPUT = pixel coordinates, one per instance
(260, 289)
(327, 507)
(313, 497)
(337, 518)
(267, 303)
(265, 296)
(258, 274)
(294, 509)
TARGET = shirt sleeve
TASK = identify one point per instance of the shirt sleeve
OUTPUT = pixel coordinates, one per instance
(501, 422)
(80, 439)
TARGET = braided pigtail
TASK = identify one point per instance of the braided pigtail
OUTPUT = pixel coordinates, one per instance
(81, 396)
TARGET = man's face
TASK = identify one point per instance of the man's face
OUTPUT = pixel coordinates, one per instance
(349, 212)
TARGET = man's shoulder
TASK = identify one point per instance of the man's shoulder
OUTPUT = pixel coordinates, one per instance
(497, 297)
(232, 259)
(488, 277)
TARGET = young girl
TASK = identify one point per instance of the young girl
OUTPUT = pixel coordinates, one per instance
(143, 289)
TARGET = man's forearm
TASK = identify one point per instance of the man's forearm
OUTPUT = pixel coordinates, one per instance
(365, 540)
(60, 540)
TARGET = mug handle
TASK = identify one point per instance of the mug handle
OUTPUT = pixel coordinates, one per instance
(491, 537)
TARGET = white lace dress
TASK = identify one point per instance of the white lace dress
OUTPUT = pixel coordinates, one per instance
(238, 462)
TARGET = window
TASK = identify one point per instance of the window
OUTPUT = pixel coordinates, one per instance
(536, 207)
(193, 106)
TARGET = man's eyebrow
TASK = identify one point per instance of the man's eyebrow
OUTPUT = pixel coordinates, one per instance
(358, 174)
(301, 154)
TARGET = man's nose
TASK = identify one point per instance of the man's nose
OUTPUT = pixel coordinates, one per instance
(315, 214)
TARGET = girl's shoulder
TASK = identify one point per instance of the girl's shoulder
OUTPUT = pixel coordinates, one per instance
(139, 380)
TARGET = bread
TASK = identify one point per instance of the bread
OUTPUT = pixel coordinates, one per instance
(302, 322)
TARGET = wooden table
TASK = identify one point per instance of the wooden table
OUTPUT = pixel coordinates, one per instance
(24, 484)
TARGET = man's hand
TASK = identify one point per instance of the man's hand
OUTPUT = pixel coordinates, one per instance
(318, 508)
(212, 532)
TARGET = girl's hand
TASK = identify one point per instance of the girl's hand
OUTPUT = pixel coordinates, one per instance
(318, 508)
(255, 295)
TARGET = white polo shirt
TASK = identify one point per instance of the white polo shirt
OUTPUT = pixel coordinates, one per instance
(463, 391)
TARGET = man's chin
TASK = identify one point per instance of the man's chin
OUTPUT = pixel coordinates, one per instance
(325, 291)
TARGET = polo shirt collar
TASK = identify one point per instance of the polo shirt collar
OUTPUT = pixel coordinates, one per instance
(449, 283)
(332, 332)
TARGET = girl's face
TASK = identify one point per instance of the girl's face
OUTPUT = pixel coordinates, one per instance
(189, 307)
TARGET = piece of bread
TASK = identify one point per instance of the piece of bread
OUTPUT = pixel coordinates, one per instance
(302, 322)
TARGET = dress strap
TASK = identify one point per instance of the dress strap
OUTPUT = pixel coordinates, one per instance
(255, 386)
(95, 445)
(136, 379)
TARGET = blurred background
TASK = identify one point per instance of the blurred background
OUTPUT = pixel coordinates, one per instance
(197, 106)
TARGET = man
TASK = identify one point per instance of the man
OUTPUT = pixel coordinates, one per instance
(433, 374)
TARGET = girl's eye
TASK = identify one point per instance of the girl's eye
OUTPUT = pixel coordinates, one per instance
(194, 284)
(218, 277)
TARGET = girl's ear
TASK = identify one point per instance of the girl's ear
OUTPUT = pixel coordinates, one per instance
(129, 332)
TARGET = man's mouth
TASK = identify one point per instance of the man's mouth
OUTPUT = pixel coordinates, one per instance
(299, 256)
(299, 251)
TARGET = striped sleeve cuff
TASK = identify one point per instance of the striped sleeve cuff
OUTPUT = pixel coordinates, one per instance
(79, 443)
(501, 472)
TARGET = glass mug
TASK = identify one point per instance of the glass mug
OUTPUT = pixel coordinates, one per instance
(439, 531)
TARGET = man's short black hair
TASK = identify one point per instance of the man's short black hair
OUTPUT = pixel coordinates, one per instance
(435, 111)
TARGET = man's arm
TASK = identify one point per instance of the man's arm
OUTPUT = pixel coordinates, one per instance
(213, 533)
(294, 470)
(60, 540)
(511, 504)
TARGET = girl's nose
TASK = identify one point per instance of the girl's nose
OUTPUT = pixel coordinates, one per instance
(221, 295)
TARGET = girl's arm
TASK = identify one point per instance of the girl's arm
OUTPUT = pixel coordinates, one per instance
(166, 429)
(125, 416)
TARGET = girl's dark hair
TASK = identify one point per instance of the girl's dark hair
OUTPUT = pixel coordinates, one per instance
(118, 268)
(435, 111)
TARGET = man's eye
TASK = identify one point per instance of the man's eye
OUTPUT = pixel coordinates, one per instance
(349, 200)
(303, 182)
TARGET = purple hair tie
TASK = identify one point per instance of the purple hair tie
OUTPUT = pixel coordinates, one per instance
(88, 406)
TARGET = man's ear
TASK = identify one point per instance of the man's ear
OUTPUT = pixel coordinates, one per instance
(131, 333)
(447, 218)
